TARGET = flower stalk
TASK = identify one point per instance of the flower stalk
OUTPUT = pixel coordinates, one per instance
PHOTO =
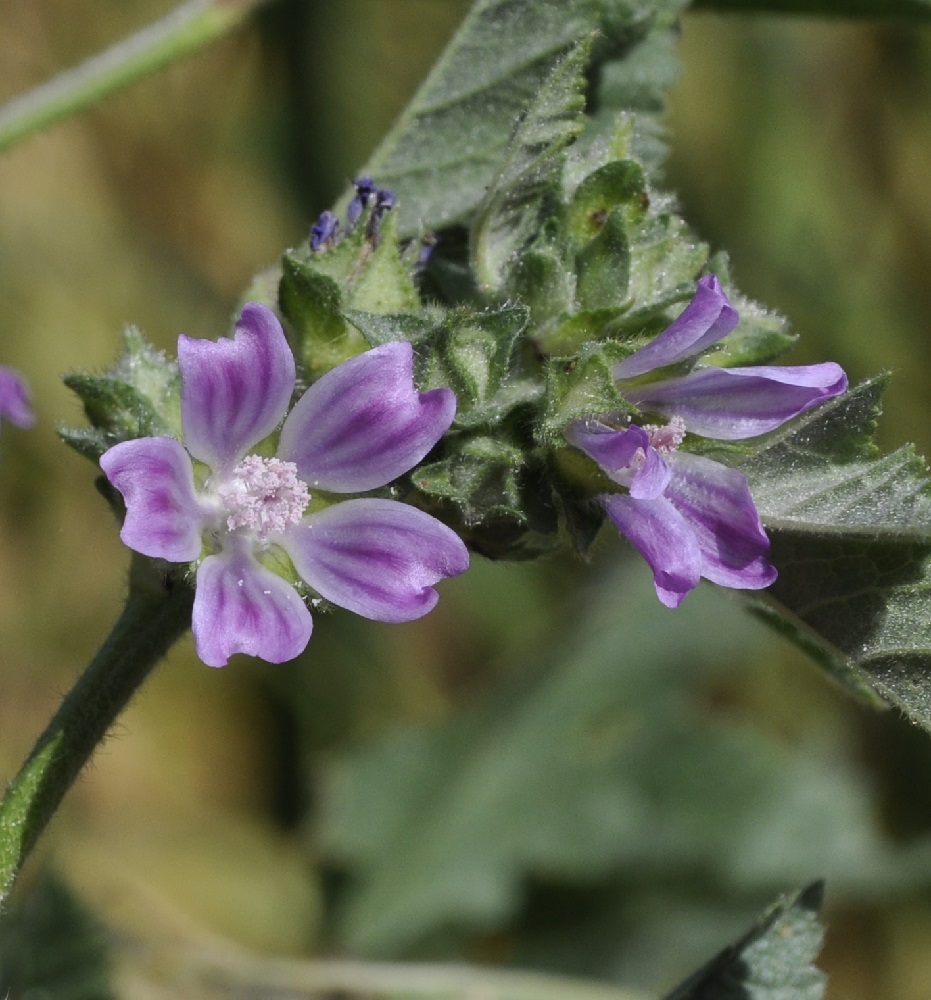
(186, 29)
(157, 613)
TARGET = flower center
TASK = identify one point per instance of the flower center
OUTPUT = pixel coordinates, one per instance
(263, 496)
(666, 439)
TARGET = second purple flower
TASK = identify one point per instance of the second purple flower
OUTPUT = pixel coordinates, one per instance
(222, 500)
(687, 515)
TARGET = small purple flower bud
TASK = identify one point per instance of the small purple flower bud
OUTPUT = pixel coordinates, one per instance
(324, 231)
(384, 200)
(365, 191)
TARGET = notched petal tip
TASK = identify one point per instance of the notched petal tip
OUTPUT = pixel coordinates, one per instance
(377, 558)
(365, 423)
(240, 606)
(235, 391)
(663, 536)
(156, 480)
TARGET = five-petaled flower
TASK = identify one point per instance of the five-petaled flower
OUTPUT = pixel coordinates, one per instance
(218, 501)
(689, 516)
(15, 405)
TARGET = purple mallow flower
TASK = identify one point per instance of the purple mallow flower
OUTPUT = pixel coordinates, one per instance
(689, 516)
(219, 501)
(15, 404)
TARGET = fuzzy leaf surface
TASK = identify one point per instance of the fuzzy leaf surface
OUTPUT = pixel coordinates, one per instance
(447, 146)
(851, 534)
(773, 961)
(530, 175)
(599, 766)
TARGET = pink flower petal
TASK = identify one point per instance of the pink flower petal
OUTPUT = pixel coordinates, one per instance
(612, 448)
(242, 607)
(234, 392)
(716, 502)
(163, 516)
(15, 404)
(735, 403)
(703, 322)
(664, 538)
(616, 452)
(378, 558)
(364, 423)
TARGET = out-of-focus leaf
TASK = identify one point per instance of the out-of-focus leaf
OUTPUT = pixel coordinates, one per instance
(600, 767)
(851, 537)
(50, 946)
(773, 961)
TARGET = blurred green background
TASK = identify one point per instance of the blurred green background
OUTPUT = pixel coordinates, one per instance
(802, 147)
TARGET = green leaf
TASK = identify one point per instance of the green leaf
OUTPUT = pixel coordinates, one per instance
(851, 536)
(138, 397)
(773, 961)
(524, 190)
(601, 764)
(447, 146)
(51, 947)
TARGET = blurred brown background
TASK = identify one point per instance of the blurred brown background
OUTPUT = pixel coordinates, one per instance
(802, 147)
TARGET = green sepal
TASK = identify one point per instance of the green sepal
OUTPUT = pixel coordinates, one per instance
(312, 304)
(582, 387)
(542, 280)
(577, 481)
(472, 355)
(603, 266)
(387, 328)
(138, 397)
(619, 184)
(664, 255)
(364, 271)
(498, 495)
(382, 281)
(575, 330)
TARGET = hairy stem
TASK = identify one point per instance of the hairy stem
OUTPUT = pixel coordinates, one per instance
(186, 29)
(156, 614)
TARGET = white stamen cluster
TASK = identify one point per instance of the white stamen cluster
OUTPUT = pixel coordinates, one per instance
(666, 439)
(263, 496)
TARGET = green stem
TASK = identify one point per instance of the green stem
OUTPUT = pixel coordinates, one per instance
(186, 29)
(156, 614)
